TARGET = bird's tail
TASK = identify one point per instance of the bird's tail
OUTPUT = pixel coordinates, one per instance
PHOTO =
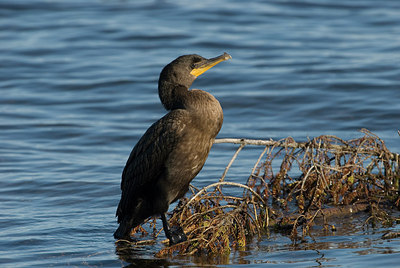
(123, 231)
(135, 218)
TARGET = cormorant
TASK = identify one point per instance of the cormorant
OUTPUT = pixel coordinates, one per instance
(173, 150)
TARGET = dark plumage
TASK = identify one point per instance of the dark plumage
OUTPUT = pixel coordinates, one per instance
(173, 150)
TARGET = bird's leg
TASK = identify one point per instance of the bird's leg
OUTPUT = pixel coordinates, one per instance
(175, 235)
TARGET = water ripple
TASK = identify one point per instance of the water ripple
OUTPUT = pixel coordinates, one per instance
(79, 87)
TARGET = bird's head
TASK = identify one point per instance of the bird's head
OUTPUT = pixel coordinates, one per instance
(185, 69)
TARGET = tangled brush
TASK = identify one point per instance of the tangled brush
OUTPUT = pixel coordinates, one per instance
(291, 185)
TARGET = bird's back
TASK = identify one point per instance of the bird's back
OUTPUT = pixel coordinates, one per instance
(146, 165)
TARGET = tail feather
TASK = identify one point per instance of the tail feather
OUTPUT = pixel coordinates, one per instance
(123, 231)
(129, 220)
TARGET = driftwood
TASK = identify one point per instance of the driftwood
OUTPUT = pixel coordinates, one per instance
(290, 187)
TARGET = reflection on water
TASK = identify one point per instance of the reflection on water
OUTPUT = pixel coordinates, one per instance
(78, 82)
(138, 256)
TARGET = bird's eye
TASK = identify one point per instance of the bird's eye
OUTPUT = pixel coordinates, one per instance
(195, 62)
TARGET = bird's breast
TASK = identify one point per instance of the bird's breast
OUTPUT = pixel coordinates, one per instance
(185, 162)
(206, 112)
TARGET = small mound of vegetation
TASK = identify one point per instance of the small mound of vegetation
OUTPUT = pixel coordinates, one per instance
(313, 181)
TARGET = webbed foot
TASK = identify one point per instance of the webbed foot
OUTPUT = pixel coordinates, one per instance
(176, 235)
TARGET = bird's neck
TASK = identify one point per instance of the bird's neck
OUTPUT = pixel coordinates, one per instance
(172, 95)
(202, 106)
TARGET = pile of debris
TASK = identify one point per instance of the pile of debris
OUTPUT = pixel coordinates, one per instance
(292, 186)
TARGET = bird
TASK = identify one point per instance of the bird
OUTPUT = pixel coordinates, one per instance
(173, 150)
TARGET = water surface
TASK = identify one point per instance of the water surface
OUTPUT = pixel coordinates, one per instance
(78, 88)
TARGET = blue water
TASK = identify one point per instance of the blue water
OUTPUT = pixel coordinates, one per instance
(78, 83)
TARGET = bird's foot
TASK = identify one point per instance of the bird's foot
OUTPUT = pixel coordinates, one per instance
(176, 235)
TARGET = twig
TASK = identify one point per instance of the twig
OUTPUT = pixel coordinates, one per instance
(300, 145)
(224, 183)
(231, 162)
(259, 159)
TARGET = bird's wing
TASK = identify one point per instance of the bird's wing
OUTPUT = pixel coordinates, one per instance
(147, 159)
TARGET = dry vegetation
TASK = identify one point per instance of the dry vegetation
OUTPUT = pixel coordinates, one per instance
(291, 187)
